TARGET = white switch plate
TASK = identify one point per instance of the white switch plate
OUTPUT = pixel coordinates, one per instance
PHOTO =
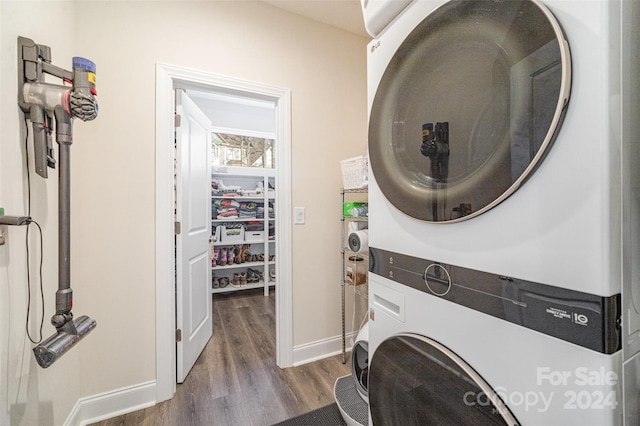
(299, 216)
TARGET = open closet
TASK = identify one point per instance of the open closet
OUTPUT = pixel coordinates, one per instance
(243, 225)
(226, 194)
(243, 190)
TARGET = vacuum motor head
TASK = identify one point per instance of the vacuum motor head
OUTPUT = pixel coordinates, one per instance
(57, 345)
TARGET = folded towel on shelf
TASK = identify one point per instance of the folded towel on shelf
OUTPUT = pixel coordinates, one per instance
(229, 213)
(246, 215)
(247, 209)
(219, 188)
(254, 226)
(226, 203)
(260, 212)
(248, 206)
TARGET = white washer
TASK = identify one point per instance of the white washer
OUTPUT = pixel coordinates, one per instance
(522, 269)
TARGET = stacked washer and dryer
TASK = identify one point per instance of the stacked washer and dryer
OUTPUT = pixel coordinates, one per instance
(504, 212)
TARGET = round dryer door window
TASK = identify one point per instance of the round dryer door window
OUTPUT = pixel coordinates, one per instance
(414, 380)
(468, 107)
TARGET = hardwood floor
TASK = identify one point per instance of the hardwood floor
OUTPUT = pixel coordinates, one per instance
(236, 381)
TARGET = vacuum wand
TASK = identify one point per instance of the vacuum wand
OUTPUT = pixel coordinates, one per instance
(42, 102)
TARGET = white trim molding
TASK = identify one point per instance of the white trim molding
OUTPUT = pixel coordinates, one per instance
(167, 77)
(320, 349)
(111, 404)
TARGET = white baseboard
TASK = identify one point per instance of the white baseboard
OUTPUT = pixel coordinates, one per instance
(320, 349)
(111, 404)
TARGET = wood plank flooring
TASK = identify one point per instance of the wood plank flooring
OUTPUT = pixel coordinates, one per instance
(236, 381)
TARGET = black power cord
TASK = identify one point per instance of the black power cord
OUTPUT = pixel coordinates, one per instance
(29, 286)
(26, 148)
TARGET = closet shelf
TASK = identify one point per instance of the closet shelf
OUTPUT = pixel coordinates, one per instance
(244, 180)
(355, 219)
(239, 265)
(239, 243)
(247, 219)
(248, 286)
(237, 197)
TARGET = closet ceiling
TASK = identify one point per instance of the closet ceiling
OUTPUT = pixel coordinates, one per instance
(343, 14)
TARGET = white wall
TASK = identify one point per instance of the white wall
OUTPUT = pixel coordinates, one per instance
(113, 172)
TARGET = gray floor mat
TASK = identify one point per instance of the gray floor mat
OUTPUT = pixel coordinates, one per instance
(324, 416)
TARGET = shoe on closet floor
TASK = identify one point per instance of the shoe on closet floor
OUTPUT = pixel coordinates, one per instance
(215, 257)
(222, 257)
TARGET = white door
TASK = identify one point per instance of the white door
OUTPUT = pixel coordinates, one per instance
(193, 213)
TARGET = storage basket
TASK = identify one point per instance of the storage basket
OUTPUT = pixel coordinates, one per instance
(356, 270)
(354, 172)
(254, 236)
(230, 235)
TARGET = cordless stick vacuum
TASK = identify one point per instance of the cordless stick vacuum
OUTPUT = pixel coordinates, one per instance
(41, 103)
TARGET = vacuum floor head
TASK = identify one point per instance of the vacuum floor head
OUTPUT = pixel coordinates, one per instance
(57, 345)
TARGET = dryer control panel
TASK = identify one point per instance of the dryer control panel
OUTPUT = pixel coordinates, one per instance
(588, 320)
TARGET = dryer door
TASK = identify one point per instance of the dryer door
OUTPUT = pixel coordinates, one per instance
(414, 380)
(468, 106)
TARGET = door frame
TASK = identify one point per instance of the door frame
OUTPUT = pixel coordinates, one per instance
(167, 76)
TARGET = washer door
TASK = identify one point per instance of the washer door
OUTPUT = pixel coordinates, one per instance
(360, 367)
(414, 380)
(468, 107)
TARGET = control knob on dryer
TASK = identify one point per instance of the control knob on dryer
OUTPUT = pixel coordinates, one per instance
(437, 279)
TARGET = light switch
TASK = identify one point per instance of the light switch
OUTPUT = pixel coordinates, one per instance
(299, 216)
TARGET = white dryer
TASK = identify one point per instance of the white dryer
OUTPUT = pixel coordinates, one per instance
(504, 209)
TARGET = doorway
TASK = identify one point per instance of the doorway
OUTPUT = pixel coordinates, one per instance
(167, 78)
